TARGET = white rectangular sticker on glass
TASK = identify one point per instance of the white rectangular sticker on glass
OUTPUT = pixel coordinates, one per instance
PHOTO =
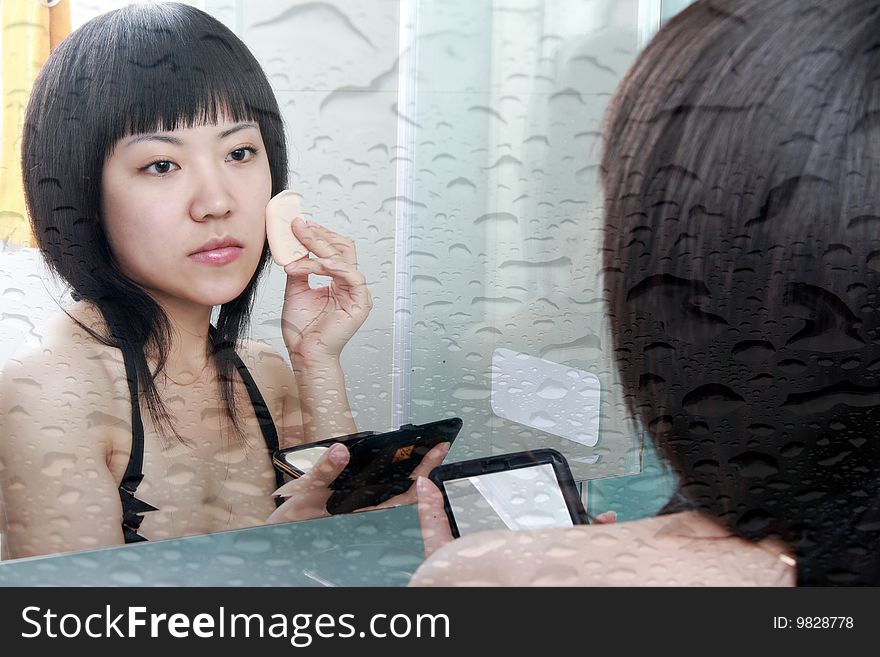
(544, 395)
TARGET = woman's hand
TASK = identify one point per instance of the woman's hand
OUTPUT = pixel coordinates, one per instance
(436, 531)
(316, 323)
(307, 496)
(430, 461)
(605, 518)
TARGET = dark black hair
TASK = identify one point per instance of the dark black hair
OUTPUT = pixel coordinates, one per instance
(142, 68)
(742, 257)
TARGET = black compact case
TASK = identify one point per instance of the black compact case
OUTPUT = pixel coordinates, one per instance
(380, 464)
(506, 462)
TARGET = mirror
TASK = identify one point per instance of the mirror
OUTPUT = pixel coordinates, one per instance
(466, 176)
(526, 498)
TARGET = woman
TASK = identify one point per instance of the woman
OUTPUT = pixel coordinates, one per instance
(148, 163)
(741, 239)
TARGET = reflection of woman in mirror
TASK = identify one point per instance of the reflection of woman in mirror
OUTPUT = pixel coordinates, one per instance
(740, 172)
(152, 145)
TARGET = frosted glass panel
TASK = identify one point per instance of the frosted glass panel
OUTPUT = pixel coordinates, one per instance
(506, 212)
(334, 69)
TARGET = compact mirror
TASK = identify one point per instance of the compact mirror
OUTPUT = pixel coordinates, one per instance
(304, 460)
(525, 490)
(528, 498)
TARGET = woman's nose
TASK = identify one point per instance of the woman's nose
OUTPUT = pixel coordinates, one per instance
(211, 196)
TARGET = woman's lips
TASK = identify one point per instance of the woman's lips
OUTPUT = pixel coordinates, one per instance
(219, 256)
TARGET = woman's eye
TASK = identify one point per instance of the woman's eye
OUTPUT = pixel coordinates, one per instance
(160, 168)
(242, 154)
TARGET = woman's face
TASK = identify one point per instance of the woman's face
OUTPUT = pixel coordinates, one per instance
(184, 210)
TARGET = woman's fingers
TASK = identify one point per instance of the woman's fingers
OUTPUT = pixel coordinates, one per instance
(606, 518)
(349, 284)
(323, 242)
(344, 272)
(431, 460)
(326, 469)
(298, 275)
(297, 279)
(432, 518)
(307, 496)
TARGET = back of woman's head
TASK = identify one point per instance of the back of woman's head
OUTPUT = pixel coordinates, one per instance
(742, 258)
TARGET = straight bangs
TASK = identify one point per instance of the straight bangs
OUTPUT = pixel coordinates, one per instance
(178, 74)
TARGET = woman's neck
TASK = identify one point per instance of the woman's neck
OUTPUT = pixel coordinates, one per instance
(188, 355)
(696, 525)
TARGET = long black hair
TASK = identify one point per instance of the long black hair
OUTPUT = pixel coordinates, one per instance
(742, 256)
(138, 69)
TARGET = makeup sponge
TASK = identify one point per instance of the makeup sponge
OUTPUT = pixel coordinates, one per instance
(280, 212)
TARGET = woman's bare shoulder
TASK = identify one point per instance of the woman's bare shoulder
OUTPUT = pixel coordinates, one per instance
(672, 550)
(554, 557)
(269, 368)
(69, 369)
(277, 384)
(62, 404)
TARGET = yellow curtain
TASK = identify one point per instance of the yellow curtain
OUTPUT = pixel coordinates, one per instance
(30, 31)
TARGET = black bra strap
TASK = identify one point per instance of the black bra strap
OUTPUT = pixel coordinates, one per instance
(133, 508)
(134, 472)
(261, 410)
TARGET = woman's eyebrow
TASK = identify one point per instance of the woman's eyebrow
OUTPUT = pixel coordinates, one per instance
(179, 142)
(163, 138)
(236, 128)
